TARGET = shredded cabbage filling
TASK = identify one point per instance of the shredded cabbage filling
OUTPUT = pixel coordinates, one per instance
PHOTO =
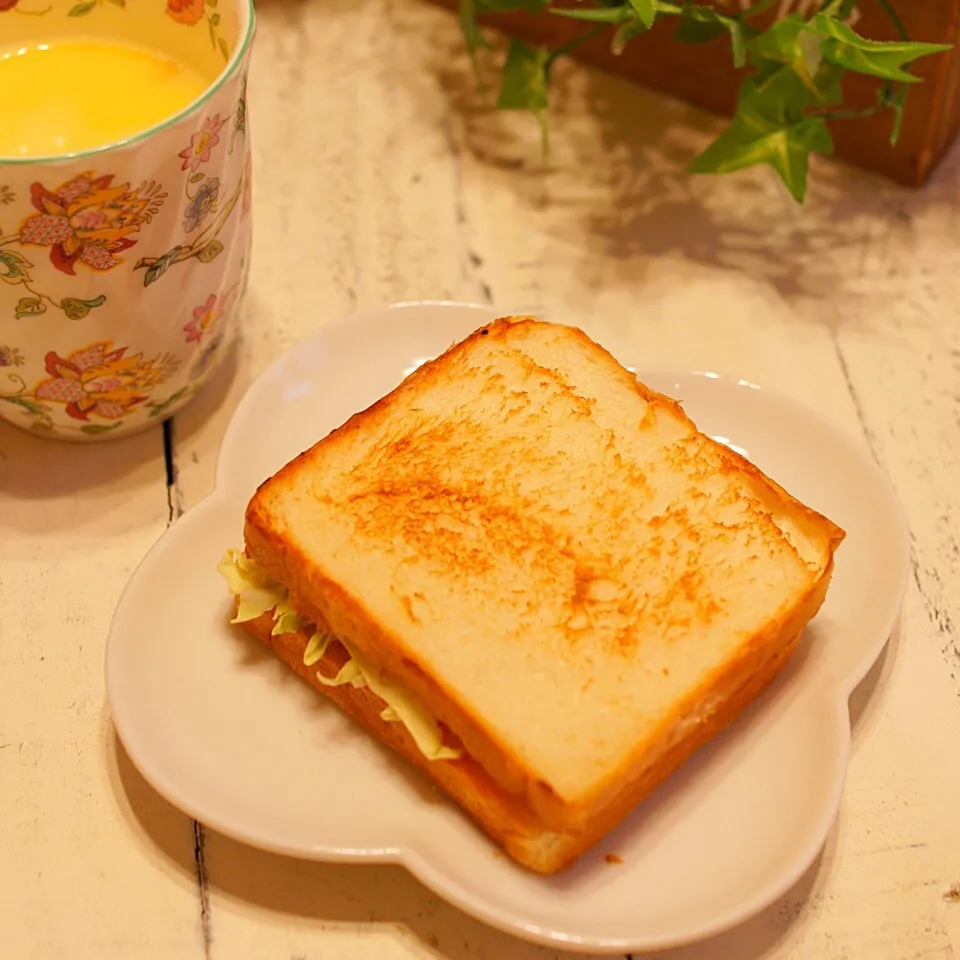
(258, 593)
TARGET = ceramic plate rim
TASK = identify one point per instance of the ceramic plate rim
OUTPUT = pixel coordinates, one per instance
(408, 857)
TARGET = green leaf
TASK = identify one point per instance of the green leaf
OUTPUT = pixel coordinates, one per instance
(195, 177)
(78, 309)
(471, 31)
(119, 3)
(82, 9)
(790, 41)
(897, 102)
(827, 84)
(224, 49)
(14, 267)
(159, 266)
(215, 20)
(594, 14)
(633, 16)
(778, 97)
(210, 252)
(703, 24)
(646, 11)
(787, 150)
(94, 429)
(840, 9)
(523, 85)
(625, 33)
(509, 6)
(29, 307)
(811, 50)
(780, 42)
(876, 58)
(690, 30)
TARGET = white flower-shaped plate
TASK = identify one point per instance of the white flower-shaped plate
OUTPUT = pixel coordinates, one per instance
(229, 735)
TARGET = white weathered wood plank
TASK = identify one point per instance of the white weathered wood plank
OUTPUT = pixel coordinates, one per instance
(80, 873)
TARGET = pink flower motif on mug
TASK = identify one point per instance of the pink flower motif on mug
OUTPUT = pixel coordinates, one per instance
(202, 144)
(101, 381)
(204, 318)
(88, 220)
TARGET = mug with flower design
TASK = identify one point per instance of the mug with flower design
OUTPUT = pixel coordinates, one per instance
(122, 268)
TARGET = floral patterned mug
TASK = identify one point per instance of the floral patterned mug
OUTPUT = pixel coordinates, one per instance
(122, 268)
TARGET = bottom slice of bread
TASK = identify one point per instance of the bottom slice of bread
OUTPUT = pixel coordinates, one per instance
(502, 816)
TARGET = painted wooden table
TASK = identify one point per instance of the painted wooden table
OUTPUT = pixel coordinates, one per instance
(379, 178)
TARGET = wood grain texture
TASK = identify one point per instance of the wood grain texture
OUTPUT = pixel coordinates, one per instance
(380, 177)
(76, 854)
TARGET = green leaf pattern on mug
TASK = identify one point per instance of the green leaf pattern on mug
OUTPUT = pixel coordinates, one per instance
(157, 267)
(15, 269)
(29, 307)
(92, 429)
(210, 252)
(77, 309)
(157, 407)
(82, 9)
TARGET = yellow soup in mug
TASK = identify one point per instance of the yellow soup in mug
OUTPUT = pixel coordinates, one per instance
(76, 94)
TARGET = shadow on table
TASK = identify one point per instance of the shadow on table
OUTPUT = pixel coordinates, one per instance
(216, 399)
(320, 895)
(35, 467)
(617, 169)
(868, 696)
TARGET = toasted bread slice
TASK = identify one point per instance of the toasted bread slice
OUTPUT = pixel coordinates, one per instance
(576, 582)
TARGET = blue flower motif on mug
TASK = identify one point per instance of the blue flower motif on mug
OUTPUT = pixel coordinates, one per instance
(203, 202)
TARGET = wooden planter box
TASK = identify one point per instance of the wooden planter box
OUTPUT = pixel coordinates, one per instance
(704, 75)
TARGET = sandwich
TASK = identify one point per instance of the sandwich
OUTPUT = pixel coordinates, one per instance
(532, 577)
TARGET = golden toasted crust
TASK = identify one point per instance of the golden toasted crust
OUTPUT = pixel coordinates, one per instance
(697, 716)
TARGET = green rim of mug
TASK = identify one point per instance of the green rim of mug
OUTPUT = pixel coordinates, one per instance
(228, 71)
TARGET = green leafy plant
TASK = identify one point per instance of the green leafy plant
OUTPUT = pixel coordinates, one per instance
(793, 86)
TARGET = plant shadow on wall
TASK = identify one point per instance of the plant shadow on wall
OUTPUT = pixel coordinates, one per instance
(618, 168)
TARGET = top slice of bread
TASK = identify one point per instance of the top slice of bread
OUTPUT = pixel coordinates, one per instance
(568, 574)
